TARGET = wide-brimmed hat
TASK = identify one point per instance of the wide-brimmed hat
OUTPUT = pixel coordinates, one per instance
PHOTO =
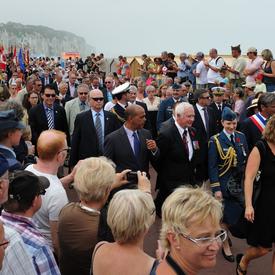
(8, 120)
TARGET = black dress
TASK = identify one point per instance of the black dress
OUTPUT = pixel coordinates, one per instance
(262, 231)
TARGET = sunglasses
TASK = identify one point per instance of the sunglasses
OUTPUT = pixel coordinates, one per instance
(83, 93)
(106, 82)
(42, 192)
(98, 98)
(49, 95)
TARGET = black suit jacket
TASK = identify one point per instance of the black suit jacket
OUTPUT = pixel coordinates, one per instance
(84, 138)
(203, 138)
(43, 80)
(174, 167)
(118, 148)
(217, 116)
(39, 123)
(69, 92)
(251, 132)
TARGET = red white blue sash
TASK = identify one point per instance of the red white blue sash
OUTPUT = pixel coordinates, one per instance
(258, 121)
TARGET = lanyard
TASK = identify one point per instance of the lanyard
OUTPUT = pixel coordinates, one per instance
(174, 265)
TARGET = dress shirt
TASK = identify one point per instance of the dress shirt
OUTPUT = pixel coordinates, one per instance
(16, 260)
(72, 89)
(201, 111)
(228, 135)
(36, 245)
(101, 117)
(188, 139)
(130, 137)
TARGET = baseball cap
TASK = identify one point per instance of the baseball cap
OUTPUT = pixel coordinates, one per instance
(25, 186)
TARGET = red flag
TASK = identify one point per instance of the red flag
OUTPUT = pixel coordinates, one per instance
(2, 58)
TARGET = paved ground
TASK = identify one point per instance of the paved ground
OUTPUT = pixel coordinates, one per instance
(260, 266)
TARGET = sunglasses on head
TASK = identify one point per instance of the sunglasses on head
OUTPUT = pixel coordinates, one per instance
(98, 98)
(49, 95)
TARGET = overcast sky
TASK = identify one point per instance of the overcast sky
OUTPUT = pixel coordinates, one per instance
(130, 27)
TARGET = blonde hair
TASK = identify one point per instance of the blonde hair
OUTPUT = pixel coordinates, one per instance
(49, 143)
(267, 55)
(93, 178)
(185, 207)
(269, 131)
(130, 214)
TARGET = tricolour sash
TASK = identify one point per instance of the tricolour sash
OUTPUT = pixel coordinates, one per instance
(259, 121)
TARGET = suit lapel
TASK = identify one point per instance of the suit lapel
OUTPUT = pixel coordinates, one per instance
(179, 140)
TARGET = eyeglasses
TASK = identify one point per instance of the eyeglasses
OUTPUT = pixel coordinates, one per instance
(83, 93)
(97, 98)
(5, 244)
(49, 95)
(219, 238)
(65, 149)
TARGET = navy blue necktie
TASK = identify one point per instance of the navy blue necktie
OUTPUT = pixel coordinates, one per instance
(136, 145)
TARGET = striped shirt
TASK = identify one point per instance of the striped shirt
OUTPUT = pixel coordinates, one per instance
(36, 245)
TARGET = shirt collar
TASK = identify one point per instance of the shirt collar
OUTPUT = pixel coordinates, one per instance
(100, 112)
(181, 130)
(128, 131)
(228, 135)
(17, 218)
(9, 149)
(47, 108)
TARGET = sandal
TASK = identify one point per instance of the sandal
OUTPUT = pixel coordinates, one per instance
(239, 270)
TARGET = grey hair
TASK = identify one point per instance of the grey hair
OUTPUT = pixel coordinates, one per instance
(150, 88)
(133, 88)
(181, 108)
(82, 86)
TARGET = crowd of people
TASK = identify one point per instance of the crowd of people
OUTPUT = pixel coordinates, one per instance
(206, 128)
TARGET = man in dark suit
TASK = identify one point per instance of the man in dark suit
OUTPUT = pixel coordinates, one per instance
(131, 146)
(179, 153)
(205, 126)
(166, 106)
(86, 142)
(254, 125)
(47, 115)
(72, 86)
(217, 106)
(46, 79)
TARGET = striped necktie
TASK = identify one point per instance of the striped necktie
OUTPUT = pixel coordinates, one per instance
(49, 113)
(98, 128)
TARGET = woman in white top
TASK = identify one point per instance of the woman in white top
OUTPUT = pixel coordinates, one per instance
(152, 102)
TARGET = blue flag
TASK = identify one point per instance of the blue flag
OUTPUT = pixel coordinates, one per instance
(21, 60)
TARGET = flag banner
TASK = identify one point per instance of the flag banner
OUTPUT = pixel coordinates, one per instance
(21, 60)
